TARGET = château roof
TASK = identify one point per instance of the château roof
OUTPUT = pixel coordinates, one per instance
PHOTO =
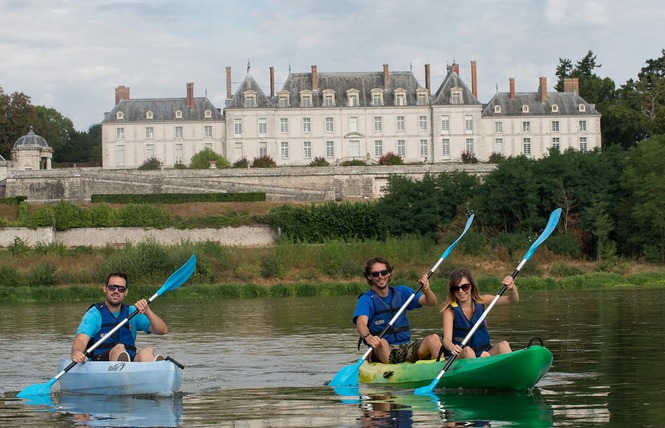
(31, 140)
(567, 103)
(163, 109)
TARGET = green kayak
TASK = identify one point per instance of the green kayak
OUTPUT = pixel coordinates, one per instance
(518, 370)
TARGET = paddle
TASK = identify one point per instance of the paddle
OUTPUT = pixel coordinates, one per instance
(176, 279)
(348, 376)
(551, 224)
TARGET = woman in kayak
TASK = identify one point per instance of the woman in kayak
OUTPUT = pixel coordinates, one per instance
(463, 307)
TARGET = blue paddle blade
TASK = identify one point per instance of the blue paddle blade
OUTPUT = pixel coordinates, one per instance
(37, 389)
(347, 376)
(179, 277)
(551, 225)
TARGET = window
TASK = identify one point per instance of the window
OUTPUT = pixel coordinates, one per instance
(525, 108)
(377, 97)
(378, 148)
(581, 108)
(208, 146)
(207, 114)
(283, 100)
(378, 124)
(422, 99)
(237, 127)
(328, 98)
(583, 145)
(400, 123)
(445, 123)
(498, 145)
(582, 125)
(469, 146)
(178, 114)
(119, 115)
(263, 127)
(306, 125)
(330, 124)
(445, 148)
(149, 133)
(307, 149)
(353, 100)
(353, 124)
(400, 99)
(149, 151)
(526, 146)
(498, 127)
(456, 96)
(119, 155)
(238, 152)
(283, 125)
(178, 132)
(354, 148)
(401, 148)
(120, 133)
(178, 153)
(305, 99)
(526, 126)
(555, 143)
(149, 115)
(250, 102)
(555, 126)
(207, 131)
(422, 120)
(330, 149)
(468, 124)
(555, 108)
(423, 147)
(497, 109)
(263, 149)
(284, 150)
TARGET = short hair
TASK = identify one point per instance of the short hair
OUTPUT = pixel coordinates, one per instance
(120, 274)
(371, 262)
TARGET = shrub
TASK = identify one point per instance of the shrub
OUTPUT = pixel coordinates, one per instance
(151, 164)
(264, 162)
(179, 165)
(496, 158)
(142, 215)
(319, 161)
(201, 160)
(42, 274)
(564, 245)
(242, 163)
(391, 158)
(353, 162)
(468, 157)
(9, 277)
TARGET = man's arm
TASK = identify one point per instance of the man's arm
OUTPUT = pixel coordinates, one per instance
(78, 348)
(428, 297)
(157, 325)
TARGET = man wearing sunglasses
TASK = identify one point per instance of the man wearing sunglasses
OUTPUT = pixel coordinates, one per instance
(377, 306)
(102, 317)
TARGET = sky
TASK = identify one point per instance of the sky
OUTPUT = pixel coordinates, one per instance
(70, 55)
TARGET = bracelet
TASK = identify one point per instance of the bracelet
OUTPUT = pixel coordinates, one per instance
(366, 334)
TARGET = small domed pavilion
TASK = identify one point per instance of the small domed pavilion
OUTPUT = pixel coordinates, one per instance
(31, 152)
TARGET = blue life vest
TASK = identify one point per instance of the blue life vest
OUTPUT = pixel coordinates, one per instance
(122, 335)
(480, 341)
(399, 332)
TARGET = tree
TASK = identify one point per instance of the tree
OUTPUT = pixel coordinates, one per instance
(16, 116)
(201, 160)
(56, 129)
(651, 88)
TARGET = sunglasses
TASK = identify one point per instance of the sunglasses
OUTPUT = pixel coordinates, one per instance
(463, 287)
(379, 272)
(120, 288)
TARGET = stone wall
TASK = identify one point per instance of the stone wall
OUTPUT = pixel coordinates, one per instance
(245, 236)
(279, 184)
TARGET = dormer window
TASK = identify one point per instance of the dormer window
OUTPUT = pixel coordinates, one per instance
(328, 98)
(207, 114)
(377, 97)
(306, 99)
(120, 115)
(555, 108)
(352, 97)
(149, 115)
(283, 99)
(581, 108)
(400, 97)
(423, 96)
(456, 97)
(497, 109)
(250, 99)
(525, 108)
(178, 114)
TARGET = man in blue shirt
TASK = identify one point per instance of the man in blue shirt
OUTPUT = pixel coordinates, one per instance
(102, 317)
(377, 306)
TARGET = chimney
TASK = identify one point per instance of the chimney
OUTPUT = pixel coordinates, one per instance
(543, 89)
(190, 95)
(512, 88)
(315, 79)
(427, 78)
(571, 84)
(229, 95)
(456, 68)
(386, 76)
(121, 93)
(474, 80)
(272, 81)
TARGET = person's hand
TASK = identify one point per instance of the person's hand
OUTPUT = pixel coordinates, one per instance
(79, 357)
(509, 282)
(141, 306)
(373, 341)
(424, 280)
(456, 350)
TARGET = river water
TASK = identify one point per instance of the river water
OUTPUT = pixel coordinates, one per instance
(263, 363)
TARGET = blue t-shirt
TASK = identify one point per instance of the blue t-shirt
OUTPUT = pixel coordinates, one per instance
(91, 322)
(365, 306)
